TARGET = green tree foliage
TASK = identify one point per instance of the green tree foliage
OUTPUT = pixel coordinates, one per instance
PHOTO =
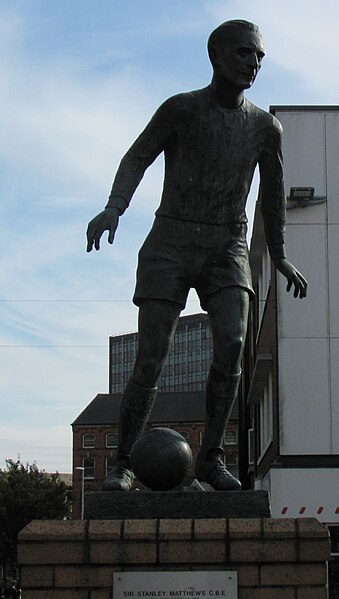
(27, 493)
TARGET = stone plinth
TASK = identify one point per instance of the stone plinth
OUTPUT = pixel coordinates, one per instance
(190, 504)
(274, 558)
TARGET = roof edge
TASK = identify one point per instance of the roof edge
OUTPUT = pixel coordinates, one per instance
(304, 108)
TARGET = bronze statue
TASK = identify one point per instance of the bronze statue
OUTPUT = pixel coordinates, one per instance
(212, 140)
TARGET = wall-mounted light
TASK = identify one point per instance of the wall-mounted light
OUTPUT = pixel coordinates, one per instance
(301, 197)
(301, 194)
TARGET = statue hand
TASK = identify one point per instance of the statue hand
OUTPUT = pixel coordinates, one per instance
(107, 220)
(293, 276)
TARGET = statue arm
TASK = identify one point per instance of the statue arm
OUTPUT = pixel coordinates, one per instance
(139, 157)
(273, 207)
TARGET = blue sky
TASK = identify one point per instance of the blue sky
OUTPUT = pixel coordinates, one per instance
(80, 79)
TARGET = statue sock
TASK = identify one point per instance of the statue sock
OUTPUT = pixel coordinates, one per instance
(221, 391)
(135, 408)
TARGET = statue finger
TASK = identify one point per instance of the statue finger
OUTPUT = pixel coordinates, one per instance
(111, 235)
(302, 285)
(90, 240)
(303, 280)
(301, 288)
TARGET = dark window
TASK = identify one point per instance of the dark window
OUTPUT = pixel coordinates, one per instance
(334, 536)
(231, 460)
(89, 465)
(230, 438)
(112, 440)
(109, 464)
(88, 440)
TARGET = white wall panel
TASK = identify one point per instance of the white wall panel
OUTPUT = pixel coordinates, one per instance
(332, 153)
(304, 150)
(306, 249)
(307, 215)
(310, 488)
(333, 259)
(304, 396)
(334, 353)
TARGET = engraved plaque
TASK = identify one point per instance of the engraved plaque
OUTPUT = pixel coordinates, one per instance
(169, 585)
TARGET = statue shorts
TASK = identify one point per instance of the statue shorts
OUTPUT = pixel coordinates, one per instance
(179, 255)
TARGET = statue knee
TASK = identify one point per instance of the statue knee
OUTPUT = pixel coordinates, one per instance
(146, 373)
(236, 348)
(228, 361)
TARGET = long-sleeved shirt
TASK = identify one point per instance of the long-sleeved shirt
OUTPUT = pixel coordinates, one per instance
(210, 156)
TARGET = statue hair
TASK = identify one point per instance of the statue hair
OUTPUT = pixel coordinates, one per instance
(228, 28)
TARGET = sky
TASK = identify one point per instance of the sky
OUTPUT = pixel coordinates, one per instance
(79, 81)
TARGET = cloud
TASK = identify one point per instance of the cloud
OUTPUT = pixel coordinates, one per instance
(65, 134)
(30, 443)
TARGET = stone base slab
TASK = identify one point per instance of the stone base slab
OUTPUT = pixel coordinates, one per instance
(191, 504)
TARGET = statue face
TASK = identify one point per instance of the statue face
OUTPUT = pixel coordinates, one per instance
(238, 59)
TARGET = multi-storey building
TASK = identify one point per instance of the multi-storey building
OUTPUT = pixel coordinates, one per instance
(292, 355)
(187, 365)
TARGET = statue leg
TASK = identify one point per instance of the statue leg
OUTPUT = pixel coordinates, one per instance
(157, 323)
(228, 312)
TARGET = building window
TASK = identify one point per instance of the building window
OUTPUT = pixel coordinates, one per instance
(185, 434)
(334, 536)
(109, 465)
(230, 437)
(265, 415)
(112, 440)
(251, 446)
(231, 459)
(88, 441)
(264, 281)
(89, 465)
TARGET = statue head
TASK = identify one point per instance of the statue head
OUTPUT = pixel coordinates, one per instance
(236, 50)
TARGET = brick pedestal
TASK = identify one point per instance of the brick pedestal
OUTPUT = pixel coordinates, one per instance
(274, 558)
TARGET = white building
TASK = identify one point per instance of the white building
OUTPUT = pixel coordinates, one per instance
(292, 355)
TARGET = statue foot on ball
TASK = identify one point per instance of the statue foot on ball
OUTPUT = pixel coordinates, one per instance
(216, 474)
(120, 479)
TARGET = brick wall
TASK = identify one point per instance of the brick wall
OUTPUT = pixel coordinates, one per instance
(274, 558)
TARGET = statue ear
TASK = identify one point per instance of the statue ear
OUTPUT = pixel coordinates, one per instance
(214, 56)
